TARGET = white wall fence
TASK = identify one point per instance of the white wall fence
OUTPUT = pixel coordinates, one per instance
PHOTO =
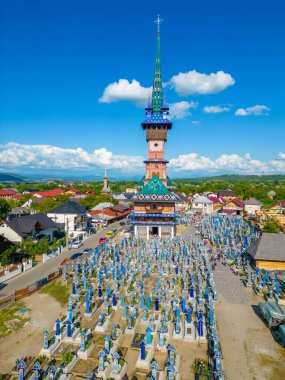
(18, 269)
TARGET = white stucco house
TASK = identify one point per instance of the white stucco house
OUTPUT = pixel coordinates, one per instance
(252, 205)
(34, 226)
(203, 205)
(72, 216)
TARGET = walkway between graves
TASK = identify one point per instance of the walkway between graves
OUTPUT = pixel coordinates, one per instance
(229, 285)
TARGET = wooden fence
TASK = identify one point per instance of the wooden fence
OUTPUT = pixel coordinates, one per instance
(30, 289)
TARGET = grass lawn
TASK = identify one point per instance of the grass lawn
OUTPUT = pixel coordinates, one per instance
(10, 320)
(58, 291)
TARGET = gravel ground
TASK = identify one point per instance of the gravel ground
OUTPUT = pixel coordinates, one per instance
(28, 341)
(250, 351)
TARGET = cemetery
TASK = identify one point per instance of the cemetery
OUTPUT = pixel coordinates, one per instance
(132, 304)
(142, 309)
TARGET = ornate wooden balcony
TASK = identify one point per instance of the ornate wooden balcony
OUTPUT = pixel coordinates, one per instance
(154, 210)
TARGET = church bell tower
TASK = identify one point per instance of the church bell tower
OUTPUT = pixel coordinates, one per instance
(157, 123)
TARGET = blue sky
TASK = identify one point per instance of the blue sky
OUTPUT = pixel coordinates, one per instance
(58, 58)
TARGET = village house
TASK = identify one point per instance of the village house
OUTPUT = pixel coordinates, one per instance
(217, 203)
(233, 206)
(120, 197)
(226, 194)
(252, 205)
(210, 194)
(49, 193)
(17, 212)
(202, 205)
(182, 203)
(6, 194)
(77, 198)
(34, 226)
(276, 211)
(278, 207)
(30, 191)
(268, 251)
(109, 213)
(72, 192)
(271, 194)
(72, 216)
(132, 190)
(101, 206)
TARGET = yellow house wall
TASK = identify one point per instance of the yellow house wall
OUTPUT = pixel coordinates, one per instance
(270, 265)
(276, 208)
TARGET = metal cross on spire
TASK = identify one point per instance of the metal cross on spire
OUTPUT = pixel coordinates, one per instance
(158, 21)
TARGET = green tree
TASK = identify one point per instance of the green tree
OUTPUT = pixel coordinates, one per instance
(42, 246)
(271, 226)
(24, 198)
(92, 200)
(7, 256)
(5, 208)
(29, 248)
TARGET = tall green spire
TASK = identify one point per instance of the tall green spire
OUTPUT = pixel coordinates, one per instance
(157, 97)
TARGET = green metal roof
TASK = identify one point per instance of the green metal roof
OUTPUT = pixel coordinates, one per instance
(157, 98)
(155, 186)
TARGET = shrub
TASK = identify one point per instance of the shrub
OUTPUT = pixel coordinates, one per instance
(67, 357)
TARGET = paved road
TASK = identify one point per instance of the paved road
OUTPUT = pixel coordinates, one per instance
(43, 269)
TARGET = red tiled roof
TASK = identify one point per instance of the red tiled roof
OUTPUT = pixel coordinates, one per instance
(279, 203)
(50, 193)
(76, 191)
(16, 196)
(216, 199)
(237, 201)
(6, 192)
(119, 208)
(183, 197)
(107, 211)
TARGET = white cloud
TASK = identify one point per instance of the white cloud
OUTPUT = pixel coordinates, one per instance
(51, 157)
(125, 90)
(19, 156)
(216, 109)
(257, 110)
(226, 163)
(195, 122)
(193, 82)
(247, 156)
(180, 110)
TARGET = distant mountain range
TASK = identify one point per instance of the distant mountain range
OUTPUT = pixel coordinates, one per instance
(12, 178)
(9, 177)
(236, 178)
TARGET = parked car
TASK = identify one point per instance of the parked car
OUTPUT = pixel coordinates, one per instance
(109, 233)
(76, 244)
(76, 255)
(122, 223)
(102, 239)
(87, 250)
(114, 230)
